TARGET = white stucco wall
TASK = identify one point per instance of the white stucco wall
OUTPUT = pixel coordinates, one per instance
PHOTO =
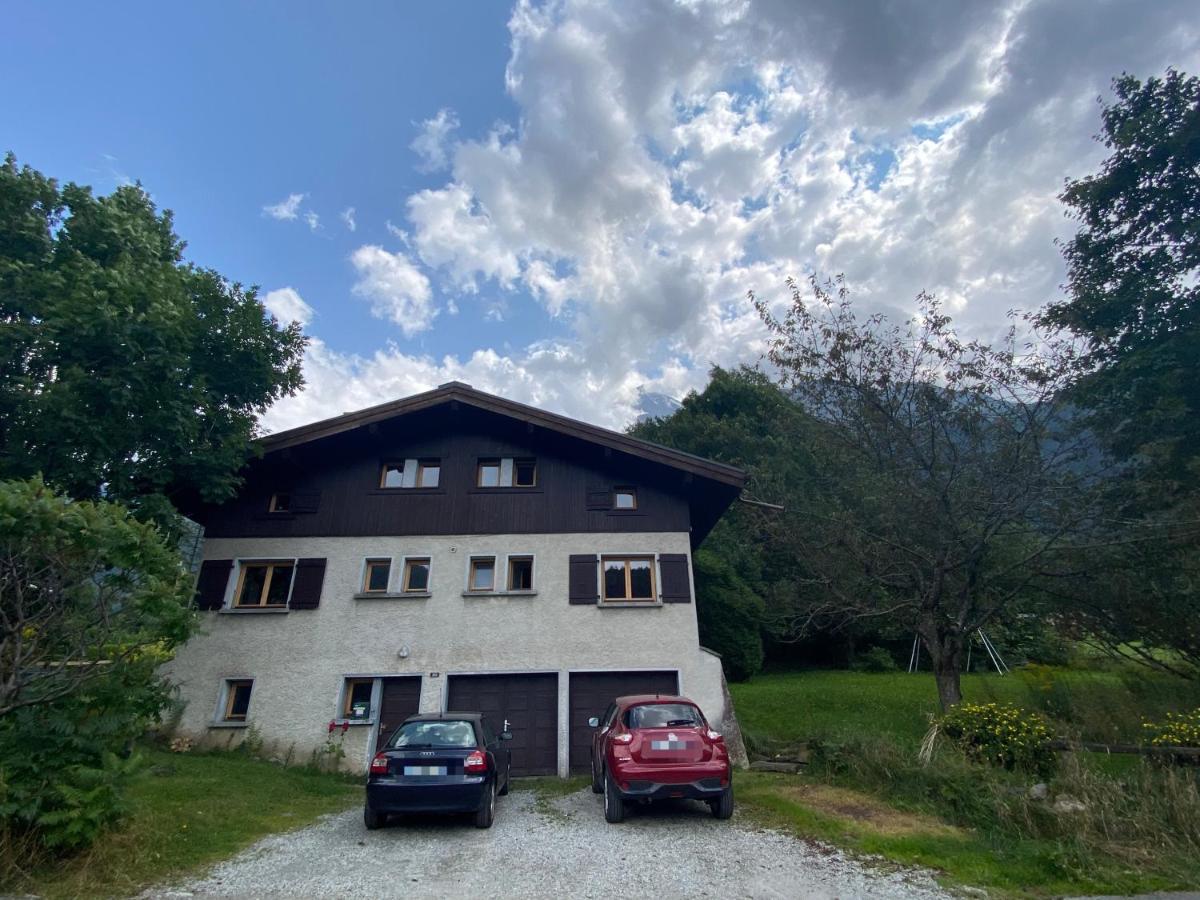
(299, 659)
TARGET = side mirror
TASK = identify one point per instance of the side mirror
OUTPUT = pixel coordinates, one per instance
(506, 735)
(594, 722)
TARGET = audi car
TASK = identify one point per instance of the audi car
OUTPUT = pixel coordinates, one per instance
(452, 762)
(657, 747)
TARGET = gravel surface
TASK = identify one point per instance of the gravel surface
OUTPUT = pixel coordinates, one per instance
(551, 848)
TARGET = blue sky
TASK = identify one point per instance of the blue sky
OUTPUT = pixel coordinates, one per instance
(566, 202)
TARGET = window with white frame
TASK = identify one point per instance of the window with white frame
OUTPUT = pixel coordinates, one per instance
(264, 584)
(481, 574)
(416, 575)
(376, 575)
(520, 573)
(628, 579)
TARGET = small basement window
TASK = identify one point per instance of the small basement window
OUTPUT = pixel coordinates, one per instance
(237, 700)
(488, 474)
(625, 498)
(264, 584)
(525, 472)
(280, 503)
(416, 575)
(357, 698)
(376, 576)
(520, 573)
(482, 575)
(628, 578)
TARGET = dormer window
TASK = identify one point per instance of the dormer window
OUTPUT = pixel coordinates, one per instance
(411, 473)
(280, 503)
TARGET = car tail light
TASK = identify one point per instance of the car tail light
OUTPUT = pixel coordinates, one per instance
(475, 763)
(714, 735)
(379, 765)
(626, 738)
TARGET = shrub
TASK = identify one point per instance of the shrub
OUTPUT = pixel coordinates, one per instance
(1001, 735)
(874, 659)
(1178, 730)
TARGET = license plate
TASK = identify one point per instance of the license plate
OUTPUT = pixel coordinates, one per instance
(668, 745)
(424, 770)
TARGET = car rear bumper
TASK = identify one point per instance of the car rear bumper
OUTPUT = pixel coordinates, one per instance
(466, 794)
(701, 789)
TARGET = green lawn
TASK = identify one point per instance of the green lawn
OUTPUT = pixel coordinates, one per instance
(891, 806)
(838, 705)
(189, 811)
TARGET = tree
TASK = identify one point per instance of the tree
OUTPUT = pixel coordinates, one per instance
(1134, 279)
(91, 603)
(949, 475)
(125, 372)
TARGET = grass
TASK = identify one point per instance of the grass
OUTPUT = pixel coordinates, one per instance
(188, 811)
(866, 792)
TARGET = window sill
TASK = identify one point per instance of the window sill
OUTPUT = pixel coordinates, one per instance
(500, 593)
(507, 489)
(338, 723)
(380, 595)
(228, 724)
(406, 491)
(253, 611)
(628, 604)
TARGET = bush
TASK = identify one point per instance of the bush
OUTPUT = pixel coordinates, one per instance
(1001, 735)
(1179, 730)
(874, 659)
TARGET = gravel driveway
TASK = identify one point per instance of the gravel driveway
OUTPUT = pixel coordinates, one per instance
(550, 848)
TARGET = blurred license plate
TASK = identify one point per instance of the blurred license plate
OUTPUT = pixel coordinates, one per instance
(424, 770)
(668, 745)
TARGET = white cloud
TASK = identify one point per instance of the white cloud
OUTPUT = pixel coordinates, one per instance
(313, 220)
(433, 144)
(287, 305)
(285, 210)
(666, 158)
(397, 289)
(348, 218)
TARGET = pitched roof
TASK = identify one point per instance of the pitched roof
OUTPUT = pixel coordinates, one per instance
(457, 392)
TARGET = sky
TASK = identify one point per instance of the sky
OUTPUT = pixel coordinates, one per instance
(566, 203)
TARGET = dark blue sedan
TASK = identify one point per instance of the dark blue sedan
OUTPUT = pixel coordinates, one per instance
(451, 762)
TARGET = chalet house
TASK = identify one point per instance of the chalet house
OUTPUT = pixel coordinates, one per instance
(451, 550)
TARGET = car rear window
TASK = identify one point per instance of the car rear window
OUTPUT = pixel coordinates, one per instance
(664, 715)
(442, 733)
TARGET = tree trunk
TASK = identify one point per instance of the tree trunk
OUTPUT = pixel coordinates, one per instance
(945, 650)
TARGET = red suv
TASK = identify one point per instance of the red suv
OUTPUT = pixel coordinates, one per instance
(654, 747)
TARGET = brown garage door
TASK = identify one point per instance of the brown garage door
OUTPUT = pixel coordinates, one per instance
(528, 703)
(591, 692)
(401, 699)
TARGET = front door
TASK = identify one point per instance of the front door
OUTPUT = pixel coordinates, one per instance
(401, 699)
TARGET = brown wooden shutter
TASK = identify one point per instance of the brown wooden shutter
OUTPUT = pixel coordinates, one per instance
(211, 585)
(599, 498)
(305, 501)
(306, 589)
(673, 568)
(583, 582)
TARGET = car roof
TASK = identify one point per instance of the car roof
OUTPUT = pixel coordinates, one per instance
(635, 699)
(435, 717)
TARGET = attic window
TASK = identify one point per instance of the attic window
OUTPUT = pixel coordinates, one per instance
(524, 472)
(280, 503)
(411, 473)
(625, 498)
(489, 473)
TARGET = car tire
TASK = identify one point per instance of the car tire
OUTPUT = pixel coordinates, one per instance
(614, 806)
(373, 819)
(487, 813)
(504, 790)
(722, 807)
(597, 784)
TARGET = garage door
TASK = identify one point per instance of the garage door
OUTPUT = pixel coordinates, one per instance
(401, 698)
(591, 692)
(528, 703)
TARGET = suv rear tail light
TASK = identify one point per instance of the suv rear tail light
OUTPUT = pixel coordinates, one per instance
(379, 765)
(475, 763)
(714, 735)
(626, 738)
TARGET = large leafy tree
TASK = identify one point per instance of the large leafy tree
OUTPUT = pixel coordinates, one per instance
(949, 476)
(125, 372)
(1134, 278)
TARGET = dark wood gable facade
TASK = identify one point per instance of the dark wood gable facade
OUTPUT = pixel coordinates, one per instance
(330, 477)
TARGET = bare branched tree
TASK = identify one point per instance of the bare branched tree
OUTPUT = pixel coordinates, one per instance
(951, 474)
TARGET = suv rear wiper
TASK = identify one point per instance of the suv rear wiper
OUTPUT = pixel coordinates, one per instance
(679, 723)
